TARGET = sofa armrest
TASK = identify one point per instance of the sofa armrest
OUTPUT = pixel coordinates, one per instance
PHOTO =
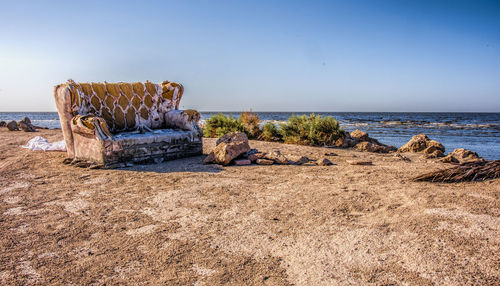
(62, 96)
(91, 125)
(182, 119)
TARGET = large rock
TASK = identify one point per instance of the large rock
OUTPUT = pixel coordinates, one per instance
(422, 143)
(12, 126)
(359, 135)
(229, 147)
(362, 142)
(460, 155)
(416, 144)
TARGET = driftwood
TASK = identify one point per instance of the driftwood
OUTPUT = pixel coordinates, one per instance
(479, 170)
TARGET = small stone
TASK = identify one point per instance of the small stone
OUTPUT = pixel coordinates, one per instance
(324, 162)
(300, 160)
(404, 158)
(254, 157)
(277, 157)
(372, 147)
(242, 162)
(356, 162)
(210, 159)
(12, 126)
(331, 154)
(264, 162)
(252, 151)
(3, 123)
(26, 127)
(433, 153)
(449, 159)
(345, 142)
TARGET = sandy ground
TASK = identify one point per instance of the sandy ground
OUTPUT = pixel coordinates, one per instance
(185, 223)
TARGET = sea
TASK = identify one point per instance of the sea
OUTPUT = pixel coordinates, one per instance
(479, 132)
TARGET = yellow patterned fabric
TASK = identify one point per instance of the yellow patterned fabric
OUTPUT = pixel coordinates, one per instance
(91, 125)
(126, 106)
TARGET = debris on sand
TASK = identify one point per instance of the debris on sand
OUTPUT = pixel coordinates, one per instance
(357, 162)
(479, 170)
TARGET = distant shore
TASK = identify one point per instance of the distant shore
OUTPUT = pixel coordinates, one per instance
(479, 132)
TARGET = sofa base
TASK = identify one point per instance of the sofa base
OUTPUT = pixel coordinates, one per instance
(130, 148)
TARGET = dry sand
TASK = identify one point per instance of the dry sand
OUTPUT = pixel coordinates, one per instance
(185, 223)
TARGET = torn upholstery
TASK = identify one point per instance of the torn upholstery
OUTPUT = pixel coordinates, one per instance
(95, 117)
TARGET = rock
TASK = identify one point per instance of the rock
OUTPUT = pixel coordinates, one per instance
(331, 154)
(464, 155)
(433, 153)
(435, 144)
(404, 158)
(416, 144)
(26, 120)
(299, 160)
(233, 137)
(421, 143)
(449, 159)
(345, 142)
(356, 162)
(254, 157)
(362, 142)
(229, 147)
(3, 123)
(242, 162)
(277, 157)
(359, 135)
(12, 126)
(324, 162)
(370, 147)
(460, 155)
(264, 162)
(251, 152)
(26, 127)
(210, 159)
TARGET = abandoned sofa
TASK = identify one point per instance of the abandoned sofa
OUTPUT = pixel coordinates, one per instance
(112, 124)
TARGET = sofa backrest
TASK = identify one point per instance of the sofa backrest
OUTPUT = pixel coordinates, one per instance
(126, 106)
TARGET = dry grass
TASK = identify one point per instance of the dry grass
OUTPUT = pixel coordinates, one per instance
(479, 170)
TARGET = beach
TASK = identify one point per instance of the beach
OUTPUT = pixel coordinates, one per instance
(185, 223)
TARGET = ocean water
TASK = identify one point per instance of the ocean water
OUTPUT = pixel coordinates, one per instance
(478, 132)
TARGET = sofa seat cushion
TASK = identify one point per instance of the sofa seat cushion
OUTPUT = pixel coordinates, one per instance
(156, 146)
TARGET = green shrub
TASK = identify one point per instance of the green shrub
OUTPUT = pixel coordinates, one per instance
(271, 132)
(313, 130)
(251, 122)
(218, 125)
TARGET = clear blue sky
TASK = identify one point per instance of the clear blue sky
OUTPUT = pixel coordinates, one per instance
(260, 55)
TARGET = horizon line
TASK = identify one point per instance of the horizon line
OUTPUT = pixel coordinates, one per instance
(240, 111)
